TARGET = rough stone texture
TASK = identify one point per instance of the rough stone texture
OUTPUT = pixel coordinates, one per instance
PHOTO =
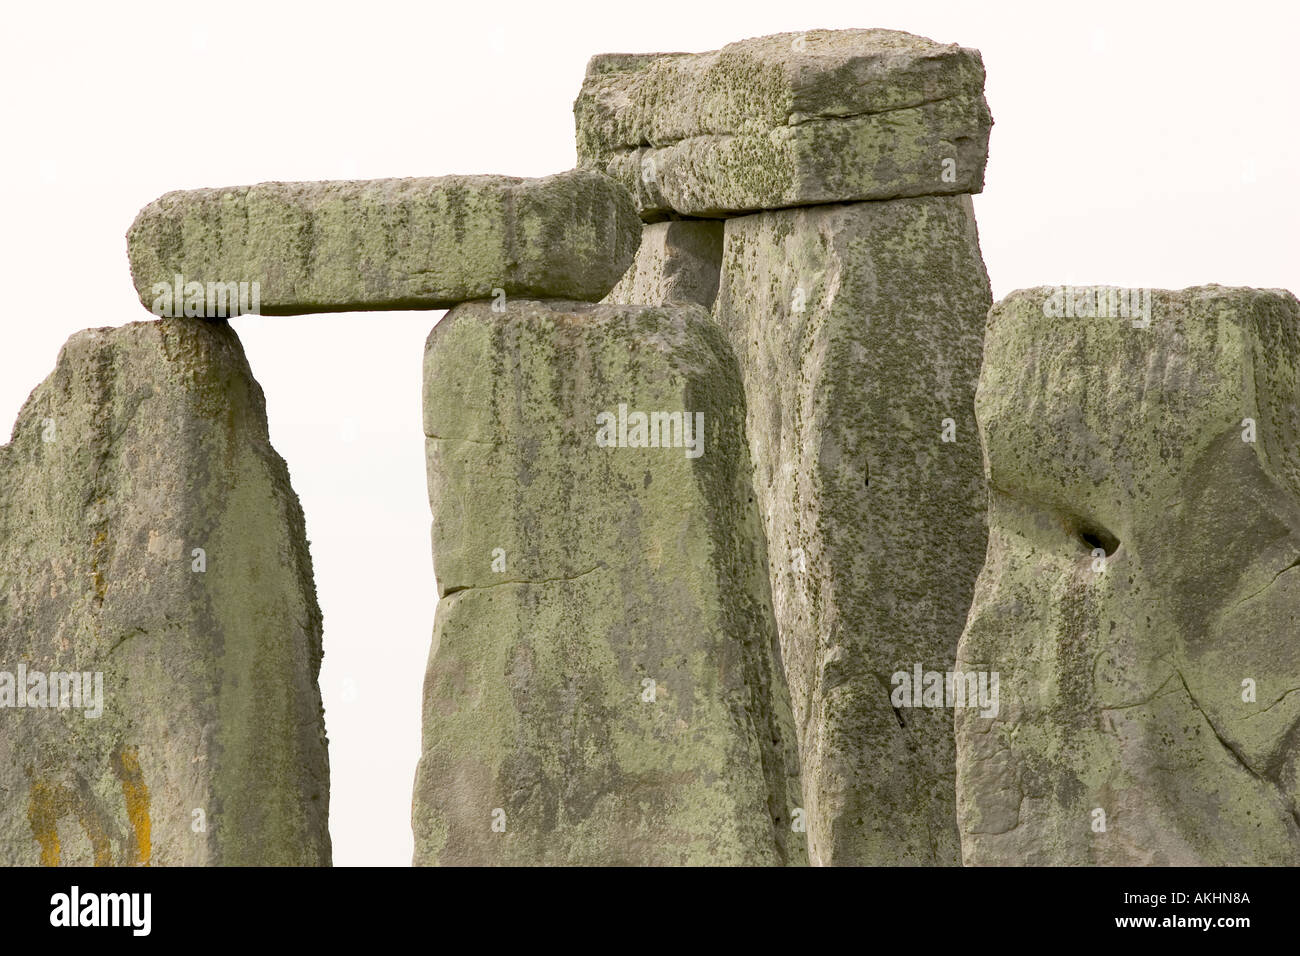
(622, 565)
(158, 445)
(1121, 689)
(874, 524)
(391, 243)
(678, 262)
(786, 120)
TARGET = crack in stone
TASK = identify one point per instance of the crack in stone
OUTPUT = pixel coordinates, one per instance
(1250, 597)
(1280, 794)
(1265, 710)
(472, 441)
(794, 120)
(497, 584)
(1155, 694)
(126, 637)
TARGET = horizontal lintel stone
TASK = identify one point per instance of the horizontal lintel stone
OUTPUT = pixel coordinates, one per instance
(345, 246)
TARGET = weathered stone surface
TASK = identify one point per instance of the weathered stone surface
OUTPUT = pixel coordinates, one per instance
(787, 120)
(678, 262)
(858, 329)
(1121, 677)
(147, 442)
(572, 575)
(391, 243)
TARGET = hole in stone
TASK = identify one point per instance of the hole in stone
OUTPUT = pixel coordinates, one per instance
(1095, 536)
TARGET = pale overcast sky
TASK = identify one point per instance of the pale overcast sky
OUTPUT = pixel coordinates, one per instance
(1134, 144)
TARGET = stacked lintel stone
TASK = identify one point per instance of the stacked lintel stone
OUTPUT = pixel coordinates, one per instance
(813, 190)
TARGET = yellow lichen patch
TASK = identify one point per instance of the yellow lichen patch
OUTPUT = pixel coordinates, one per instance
(47, 804)
(126, 764)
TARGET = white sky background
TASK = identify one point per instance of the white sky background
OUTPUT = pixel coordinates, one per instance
(1134, 144)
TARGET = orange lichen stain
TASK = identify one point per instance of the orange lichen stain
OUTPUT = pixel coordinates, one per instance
(47, 804)
(126, 764)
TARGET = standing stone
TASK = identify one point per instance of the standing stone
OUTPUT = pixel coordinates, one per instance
(149, 539)
(604, 685)
(678, 262)
(858, 329)
(787, 120)
(1140, 600)
(383, 243)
